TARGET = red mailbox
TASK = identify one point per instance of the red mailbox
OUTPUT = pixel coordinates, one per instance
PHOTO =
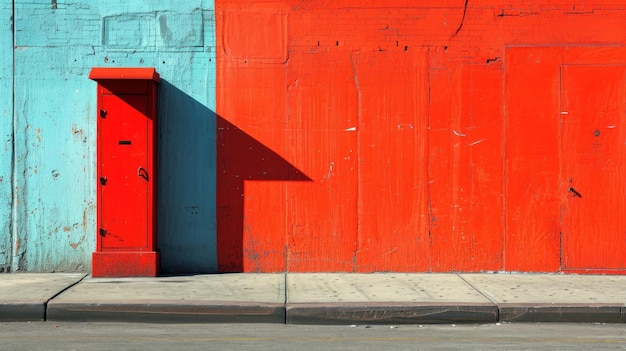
(126, 182)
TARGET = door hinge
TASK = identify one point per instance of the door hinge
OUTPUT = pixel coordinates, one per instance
(103, 180)
(102, 232)
(103, 113)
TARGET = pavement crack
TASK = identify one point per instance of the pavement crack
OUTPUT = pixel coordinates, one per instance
(478, 290)
(45, 305)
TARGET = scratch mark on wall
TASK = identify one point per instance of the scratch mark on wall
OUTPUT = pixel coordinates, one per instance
(462, 19)
(458, 133)
(330, 172)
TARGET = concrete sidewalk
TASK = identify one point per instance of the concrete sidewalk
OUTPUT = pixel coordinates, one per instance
(379, 298)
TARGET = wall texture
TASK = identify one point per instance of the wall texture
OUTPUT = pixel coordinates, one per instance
(52, 105)
(321, 135)
(413, 137)
(6, 133)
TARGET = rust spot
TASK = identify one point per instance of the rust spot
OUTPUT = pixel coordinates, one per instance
(67, 229)
(74, 246)
(38, 135)
(75, 129)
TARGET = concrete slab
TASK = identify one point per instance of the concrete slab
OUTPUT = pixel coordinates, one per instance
(23, 296)
(380, 287)
(553, 298)
(222, 298)
(390, 298)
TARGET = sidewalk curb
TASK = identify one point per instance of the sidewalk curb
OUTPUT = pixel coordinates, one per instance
(167, 312)
(390, 313)
(310, 313)
(23, 311)
(566, 313)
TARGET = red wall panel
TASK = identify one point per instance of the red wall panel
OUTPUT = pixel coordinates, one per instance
(322, 120)
(398, 136)
(393, 207)
(531, 160)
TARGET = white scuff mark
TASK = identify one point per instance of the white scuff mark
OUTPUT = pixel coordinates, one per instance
(407, 125)
(457, 133)
(330, 170)
(610, 127)
(476, 142)
(351, 129)
(564, 113)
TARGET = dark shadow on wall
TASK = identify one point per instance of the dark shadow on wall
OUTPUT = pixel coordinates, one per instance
(242, 158)
(186, 183)
(203, 162)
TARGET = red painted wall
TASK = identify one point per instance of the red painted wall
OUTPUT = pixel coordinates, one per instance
(395, 136)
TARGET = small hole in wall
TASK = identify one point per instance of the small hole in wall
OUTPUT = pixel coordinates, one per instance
(163, 62)
(406, 48)
(337, 43)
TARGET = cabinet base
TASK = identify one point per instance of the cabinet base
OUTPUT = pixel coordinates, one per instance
(125, 264)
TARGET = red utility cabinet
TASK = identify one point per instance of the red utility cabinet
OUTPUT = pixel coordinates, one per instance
(126, 182)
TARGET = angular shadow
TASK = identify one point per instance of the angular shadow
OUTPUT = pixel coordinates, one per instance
(186, 183)
(203, 161)
(240, 158)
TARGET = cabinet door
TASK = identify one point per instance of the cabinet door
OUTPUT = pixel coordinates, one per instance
(124, 177)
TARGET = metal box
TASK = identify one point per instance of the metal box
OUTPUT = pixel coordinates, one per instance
(126, 173)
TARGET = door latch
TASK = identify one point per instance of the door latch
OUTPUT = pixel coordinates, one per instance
(141, 172)
(103, 180)
(103, 113)
(102, 232)
(576, 193)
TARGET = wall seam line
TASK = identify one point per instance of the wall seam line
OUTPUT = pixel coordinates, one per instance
(13, 209)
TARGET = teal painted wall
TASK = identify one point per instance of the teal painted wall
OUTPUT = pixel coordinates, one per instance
(6, 132)
(56, 45)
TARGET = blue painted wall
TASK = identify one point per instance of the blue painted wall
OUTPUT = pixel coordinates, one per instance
(56, 44)
(6, 132)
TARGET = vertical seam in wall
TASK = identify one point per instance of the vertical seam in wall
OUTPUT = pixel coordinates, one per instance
(427, 151)
(359, 190)
(503, 134)
(12, 225)
(288, 227)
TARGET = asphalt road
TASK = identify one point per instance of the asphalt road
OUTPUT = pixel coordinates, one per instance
(127, 336)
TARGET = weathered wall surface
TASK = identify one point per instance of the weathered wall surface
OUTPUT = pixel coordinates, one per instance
(411, 137)
(326, 136)
(6, 132)
(56, 44)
